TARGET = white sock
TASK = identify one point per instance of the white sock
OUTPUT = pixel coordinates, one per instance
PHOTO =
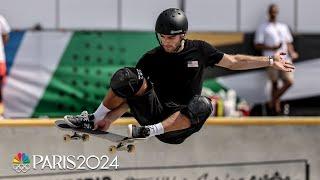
(156, 129)
(100, 113)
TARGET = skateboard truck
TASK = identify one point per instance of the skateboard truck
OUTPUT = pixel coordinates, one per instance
(130, 148)
(75, 136)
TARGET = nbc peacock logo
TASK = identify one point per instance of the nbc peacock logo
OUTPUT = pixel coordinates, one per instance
(21, 162)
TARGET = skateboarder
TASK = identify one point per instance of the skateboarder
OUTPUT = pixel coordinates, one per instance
(163, 90)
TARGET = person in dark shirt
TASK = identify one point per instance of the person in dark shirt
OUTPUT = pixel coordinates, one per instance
(163, 90)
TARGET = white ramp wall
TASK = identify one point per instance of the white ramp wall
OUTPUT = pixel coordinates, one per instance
(212, 145)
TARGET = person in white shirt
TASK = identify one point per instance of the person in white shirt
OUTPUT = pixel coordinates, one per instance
(273, 37)
(4, 38)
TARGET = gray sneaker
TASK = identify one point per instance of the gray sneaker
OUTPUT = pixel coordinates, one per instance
(84, 120)
(138, 132)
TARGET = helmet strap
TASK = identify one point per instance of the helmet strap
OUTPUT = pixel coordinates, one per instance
(181, 46)
(158, 39)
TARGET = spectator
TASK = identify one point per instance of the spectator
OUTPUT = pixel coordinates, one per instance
(273, 37)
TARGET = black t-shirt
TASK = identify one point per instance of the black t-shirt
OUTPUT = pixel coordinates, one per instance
(177, 77)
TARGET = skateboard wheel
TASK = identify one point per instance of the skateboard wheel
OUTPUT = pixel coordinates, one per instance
(131, 148)
(66, 138)
(85, 137)
(112, 149)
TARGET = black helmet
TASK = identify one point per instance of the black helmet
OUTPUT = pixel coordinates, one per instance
(172, 21)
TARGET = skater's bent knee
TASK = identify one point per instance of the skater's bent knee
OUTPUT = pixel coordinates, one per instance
(127, 82)
(198, 110)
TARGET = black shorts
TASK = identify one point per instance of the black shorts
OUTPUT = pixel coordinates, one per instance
(148, 110)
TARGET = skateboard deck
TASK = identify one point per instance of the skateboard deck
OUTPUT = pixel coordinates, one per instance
(123, 143)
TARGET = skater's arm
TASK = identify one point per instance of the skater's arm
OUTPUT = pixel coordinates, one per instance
(111, 108)
(113, 115)
(243, 62)
(116, 113)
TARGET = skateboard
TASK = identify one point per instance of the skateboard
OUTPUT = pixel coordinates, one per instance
(123, 143)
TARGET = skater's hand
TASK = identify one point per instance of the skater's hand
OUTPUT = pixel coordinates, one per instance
(281, 64)
(102, 125)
